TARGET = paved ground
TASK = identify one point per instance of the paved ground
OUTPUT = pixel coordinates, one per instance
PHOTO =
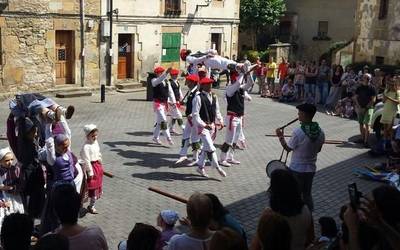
(126, 122)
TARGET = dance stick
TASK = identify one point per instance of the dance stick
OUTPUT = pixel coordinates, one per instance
(172, 196)
(290, 123)
(108, 174)
(326, 141)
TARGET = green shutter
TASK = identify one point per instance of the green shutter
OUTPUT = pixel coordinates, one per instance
(171, 43)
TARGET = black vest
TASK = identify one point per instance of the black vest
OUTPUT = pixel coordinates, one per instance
(160, 92)
(175, 87)
(236, 102)
(189, 103)
(208, 111)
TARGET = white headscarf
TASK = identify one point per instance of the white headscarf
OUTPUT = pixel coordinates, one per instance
(89, 128)
(4, 151)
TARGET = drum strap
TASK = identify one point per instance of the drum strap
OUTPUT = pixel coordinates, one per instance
(287, 155)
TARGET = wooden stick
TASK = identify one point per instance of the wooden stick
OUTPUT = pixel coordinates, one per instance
(326, 141)
(108, 174)
(172, 196)
(290, 123)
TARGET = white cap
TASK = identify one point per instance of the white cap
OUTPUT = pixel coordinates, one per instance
(4, 151)
(89, 128)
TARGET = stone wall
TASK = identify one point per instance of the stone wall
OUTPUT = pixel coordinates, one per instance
(28, 43)
(377, 37)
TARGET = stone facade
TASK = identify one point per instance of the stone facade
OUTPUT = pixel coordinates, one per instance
(28, 43)
(377, 38)
(194, 23)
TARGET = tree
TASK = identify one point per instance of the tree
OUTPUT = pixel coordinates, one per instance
(256, 15)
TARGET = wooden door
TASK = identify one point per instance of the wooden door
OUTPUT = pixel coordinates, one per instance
(64, 57)
(125, 56)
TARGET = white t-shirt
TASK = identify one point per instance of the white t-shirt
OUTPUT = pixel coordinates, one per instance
(185, 242)
(305, 151)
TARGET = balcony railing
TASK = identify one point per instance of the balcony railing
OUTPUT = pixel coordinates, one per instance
(172, 7)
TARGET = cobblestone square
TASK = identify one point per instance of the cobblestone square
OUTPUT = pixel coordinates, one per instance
(126, 121)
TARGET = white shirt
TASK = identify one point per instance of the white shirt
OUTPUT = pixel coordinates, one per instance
(180, 91)
(211, 62)
(196, 103)
(185, 242)
(90, 152)
(50, 151)
(232, 88)
(305, 151)
(162, 79)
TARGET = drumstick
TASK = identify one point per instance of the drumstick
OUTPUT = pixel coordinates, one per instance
(290, 123)
(172, 196)
(108, 174)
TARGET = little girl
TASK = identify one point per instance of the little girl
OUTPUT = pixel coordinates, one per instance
(391, 98)
(91, 156)
(345, 107)
(10, 199)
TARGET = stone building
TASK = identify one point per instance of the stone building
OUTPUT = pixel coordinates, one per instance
(377, 33)
(313, 26)
(151, 32)
(41, 44)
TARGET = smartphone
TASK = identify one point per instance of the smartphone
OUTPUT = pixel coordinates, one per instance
(354, 195)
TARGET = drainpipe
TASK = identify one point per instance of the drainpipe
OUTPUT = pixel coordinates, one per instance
(82, 16)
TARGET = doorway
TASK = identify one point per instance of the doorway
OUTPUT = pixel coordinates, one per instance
(125, 56)
(216, 42)
(64, 56)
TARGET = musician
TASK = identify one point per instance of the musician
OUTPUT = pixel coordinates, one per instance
(189, 133)
(235, 96)
(162, 91)
(205, 112)
(306, 142)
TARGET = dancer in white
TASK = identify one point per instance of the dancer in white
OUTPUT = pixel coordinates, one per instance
(211, 60)
(190, 134)
(205, 112)
(235, 96)
(162, 91)
(175, 107)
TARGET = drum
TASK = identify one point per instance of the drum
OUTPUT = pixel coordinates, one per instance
(274, 165)
(277, 164)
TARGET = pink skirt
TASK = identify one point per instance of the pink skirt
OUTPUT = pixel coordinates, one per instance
(95, 184)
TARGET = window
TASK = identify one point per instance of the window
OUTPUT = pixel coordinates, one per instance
(383, 9)
(171, 44)
(172, 7)
(322, 29)
(379, 60)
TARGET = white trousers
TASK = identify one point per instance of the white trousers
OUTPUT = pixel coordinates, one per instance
(174, 111)
(160, 110)
(208, 148)
(190, 135)
(233, 129)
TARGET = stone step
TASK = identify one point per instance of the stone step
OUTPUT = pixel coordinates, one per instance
(71, 94)
(131, 90)
(130, 85)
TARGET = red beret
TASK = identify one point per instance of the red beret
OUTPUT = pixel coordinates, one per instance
(206, 80)
(193, 78)
(159, 70)
(234, 75)
(183, 54)
(174, 72)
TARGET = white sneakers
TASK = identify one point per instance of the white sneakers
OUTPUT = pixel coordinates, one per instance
(202, 172)
(225, 163)
(233, 161)
(157, 141)
(221, 172)
(181, 159)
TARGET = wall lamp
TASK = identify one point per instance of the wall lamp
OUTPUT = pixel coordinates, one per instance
(207, 3)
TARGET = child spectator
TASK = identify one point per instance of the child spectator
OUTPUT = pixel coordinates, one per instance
(199, 210)
(391, 98)
(345, 107)
(288, 92)
(11, 201)
(166, 221)
(142, 237)
(329, 232)
(16, 232)
(91, 156)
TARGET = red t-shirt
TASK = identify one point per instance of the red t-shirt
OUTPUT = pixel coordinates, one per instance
(282, 70)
